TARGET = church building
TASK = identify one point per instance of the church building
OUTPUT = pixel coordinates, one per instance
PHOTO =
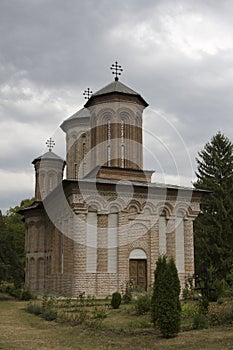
(105, 223)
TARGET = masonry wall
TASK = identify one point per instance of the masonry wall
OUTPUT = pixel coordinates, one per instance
(88, 250)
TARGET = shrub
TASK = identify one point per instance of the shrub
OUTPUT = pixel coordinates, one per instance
(127, 289)
(34, 308)
(166, 308)
(22, 293)
(157, 288)
(203, 305)
(220, 314)
(99, 312)
(142, 304)
(189, 309)
(200, 321)
(116, 300)
(81, 316)
(49, 315)
(48, 302)
(25, 294)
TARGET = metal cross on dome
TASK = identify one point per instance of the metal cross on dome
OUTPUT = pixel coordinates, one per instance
(116, 69)
(50, 144)
(87, 93)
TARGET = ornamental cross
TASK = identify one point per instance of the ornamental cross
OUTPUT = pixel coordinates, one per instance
(50, 144)
(116, 69)
(87, 93)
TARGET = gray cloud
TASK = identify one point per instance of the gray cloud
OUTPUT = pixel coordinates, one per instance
(177, 54)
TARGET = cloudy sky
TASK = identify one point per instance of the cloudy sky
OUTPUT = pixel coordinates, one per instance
(177, 54)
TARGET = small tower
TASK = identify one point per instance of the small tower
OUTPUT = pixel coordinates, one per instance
(49, 172)
(77, 129)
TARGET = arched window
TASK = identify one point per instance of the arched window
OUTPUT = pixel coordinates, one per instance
(50, 183)
(109, 142)
(42, 184)
(84, 158)
(122, 143)
(84, 152)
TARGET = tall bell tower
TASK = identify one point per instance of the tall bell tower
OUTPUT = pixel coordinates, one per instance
(116, 125)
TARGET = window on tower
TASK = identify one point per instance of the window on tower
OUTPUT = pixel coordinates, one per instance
(122, 143)
(84, 158)
(109, 142)
(50, 183)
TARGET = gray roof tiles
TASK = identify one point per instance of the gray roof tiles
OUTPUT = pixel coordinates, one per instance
(48, 156)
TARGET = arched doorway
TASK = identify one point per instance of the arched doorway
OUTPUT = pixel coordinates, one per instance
(138, 268)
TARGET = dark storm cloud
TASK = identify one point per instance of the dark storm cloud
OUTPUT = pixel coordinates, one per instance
(177, 54)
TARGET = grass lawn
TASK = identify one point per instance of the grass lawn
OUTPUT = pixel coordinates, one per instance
(21, 330)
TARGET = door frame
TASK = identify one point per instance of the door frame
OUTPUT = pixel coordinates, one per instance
(146, 272)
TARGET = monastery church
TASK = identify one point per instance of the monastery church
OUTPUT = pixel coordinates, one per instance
(106, 223)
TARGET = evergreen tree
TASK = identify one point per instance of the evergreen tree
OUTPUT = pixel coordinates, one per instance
(166, 308)
(214, 226)
(157, 287)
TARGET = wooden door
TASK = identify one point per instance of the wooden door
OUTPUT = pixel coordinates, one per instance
(137, 272)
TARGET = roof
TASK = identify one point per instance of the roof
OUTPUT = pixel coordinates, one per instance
(116, 87)
(35, 205)
(48, 156)
(155, 185)
(80, 114)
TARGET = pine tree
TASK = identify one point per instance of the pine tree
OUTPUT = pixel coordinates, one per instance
(214, 226)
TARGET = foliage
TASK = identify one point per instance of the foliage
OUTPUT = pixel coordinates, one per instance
(49, 314)
(12, 256)
(142, 304)
(126, 290)
(214, 226)
(189, 289)
(22, 293)
(157, 287)
(125, 319)
(200, 321)
(99, 312)
(116, 300)
(220, 314)
(68, 311)
(166, 307)
(34, 308)
(203, 305)
(189, 309)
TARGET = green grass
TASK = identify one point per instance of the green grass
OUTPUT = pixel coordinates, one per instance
(21, 330)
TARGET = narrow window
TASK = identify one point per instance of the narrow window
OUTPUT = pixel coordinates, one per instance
(42, 184)
(122, 156)
(75, 170)
(84, 159)
(109, 142)
(50, 183)
(122, 131)
(109, 131)
(122, 143)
